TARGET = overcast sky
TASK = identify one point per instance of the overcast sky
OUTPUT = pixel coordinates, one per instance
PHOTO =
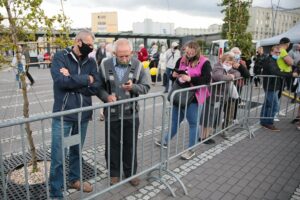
(183, 13)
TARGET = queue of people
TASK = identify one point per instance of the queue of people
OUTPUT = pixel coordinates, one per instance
(122, 76)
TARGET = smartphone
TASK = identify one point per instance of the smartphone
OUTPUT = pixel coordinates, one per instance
(180, 71)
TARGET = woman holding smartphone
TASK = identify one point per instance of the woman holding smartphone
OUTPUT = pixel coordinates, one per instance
(191, 69)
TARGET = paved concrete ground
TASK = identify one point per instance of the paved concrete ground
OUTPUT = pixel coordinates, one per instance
(264, 167)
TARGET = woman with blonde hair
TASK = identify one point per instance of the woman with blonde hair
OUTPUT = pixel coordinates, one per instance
(192, 69)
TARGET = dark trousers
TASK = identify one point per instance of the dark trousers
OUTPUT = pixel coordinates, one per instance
(230, 111)
(256, 81)
(29, 77)
(130, 133)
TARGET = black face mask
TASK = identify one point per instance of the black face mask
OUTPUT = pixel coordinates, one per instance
(192, 59)
(85, 49)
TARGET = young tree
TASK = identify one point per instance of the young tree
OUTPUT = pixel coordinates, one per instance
(235, 24)
(25, 18)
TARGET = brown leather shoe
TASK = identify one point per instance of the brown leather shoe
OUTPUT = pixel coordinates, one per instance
(135, 182)
(271, 127)
(114, 180)
(86, 187)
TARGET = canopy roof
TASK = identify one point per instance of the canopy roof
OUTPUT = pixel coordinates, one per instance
(293, 34)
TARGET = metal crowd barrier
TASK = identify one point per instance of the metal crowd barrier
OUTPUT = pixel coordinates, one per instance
(259, 108)
(227, 106)
(150, 160)
(223, 109)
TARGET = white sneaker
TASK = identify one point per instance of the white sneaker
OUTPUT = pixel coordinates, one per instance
(188, 155)
(242, 103)
(282, 114)
(236, 121)
(276, 119)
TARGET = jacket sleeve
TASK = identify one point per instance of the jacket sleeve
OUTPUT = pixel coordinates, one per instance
(176, 67)
(244, 71)
(74, 81)
(142, 86)
(205, 77)
(93, 88)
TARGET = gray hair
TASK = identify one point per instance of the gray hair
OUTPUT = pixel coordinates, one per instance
(84, 33)
(235, 49)
(122, 41)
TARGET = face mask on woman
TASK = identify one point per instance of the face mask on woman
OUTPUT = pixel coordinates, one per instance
(227, 67)
(191, 59)
(275, 57)
(237, 56)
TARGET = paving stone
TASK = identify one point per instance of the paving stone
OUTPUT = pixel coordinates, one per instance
(283, 195)
(212, 187)
(265, 186)
(259, 193)
(271, 179)
(254, 183)
(236, 189)
(204, 194)
(249, 176)
(232, 181)
(217, 195)
(270, 195)
(289, 188)
(221, 180)
(225, 187)
(248, 191)
(276, 187)
(239, 174)
(211, 178)
(202, 185)
(241, 197)
(228, 196)
(243, 182)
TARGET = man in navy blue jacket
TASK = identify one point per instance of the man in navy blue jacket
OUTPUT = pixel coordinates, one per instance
(75, 80)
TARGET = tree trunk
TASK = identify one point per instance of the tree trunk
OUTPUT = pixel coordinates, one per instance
(27, 125)
(24, 89)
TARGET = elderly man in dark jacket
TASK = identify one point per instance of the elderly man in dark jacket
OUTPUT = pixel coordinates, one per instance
(75, 80)
(272, 85)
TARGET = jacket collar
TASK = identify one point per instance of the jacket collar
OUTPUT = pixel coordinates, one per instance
(70, 52)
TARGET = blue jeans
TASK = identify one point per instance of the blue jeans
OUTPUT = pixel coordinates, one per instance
(192, 116)
(56, 168)
(168, 73)
(269, 108)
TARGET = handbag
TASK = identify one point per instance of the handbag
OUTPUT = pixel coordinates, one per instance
(183, 98)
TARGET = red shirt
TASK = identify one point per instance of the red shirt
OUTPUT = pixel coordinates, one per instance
(143, 55)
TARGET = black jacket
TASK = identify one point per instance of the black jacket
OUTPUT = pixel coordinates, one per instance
(100, 56)
(270, 67)
(259, 60)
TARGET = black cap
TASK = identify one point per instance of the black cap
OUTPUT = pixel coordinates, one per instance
(284, 40)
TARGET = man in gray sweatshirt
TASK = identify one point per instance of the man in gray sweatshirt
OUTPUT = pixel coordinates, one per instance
(123, 77)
